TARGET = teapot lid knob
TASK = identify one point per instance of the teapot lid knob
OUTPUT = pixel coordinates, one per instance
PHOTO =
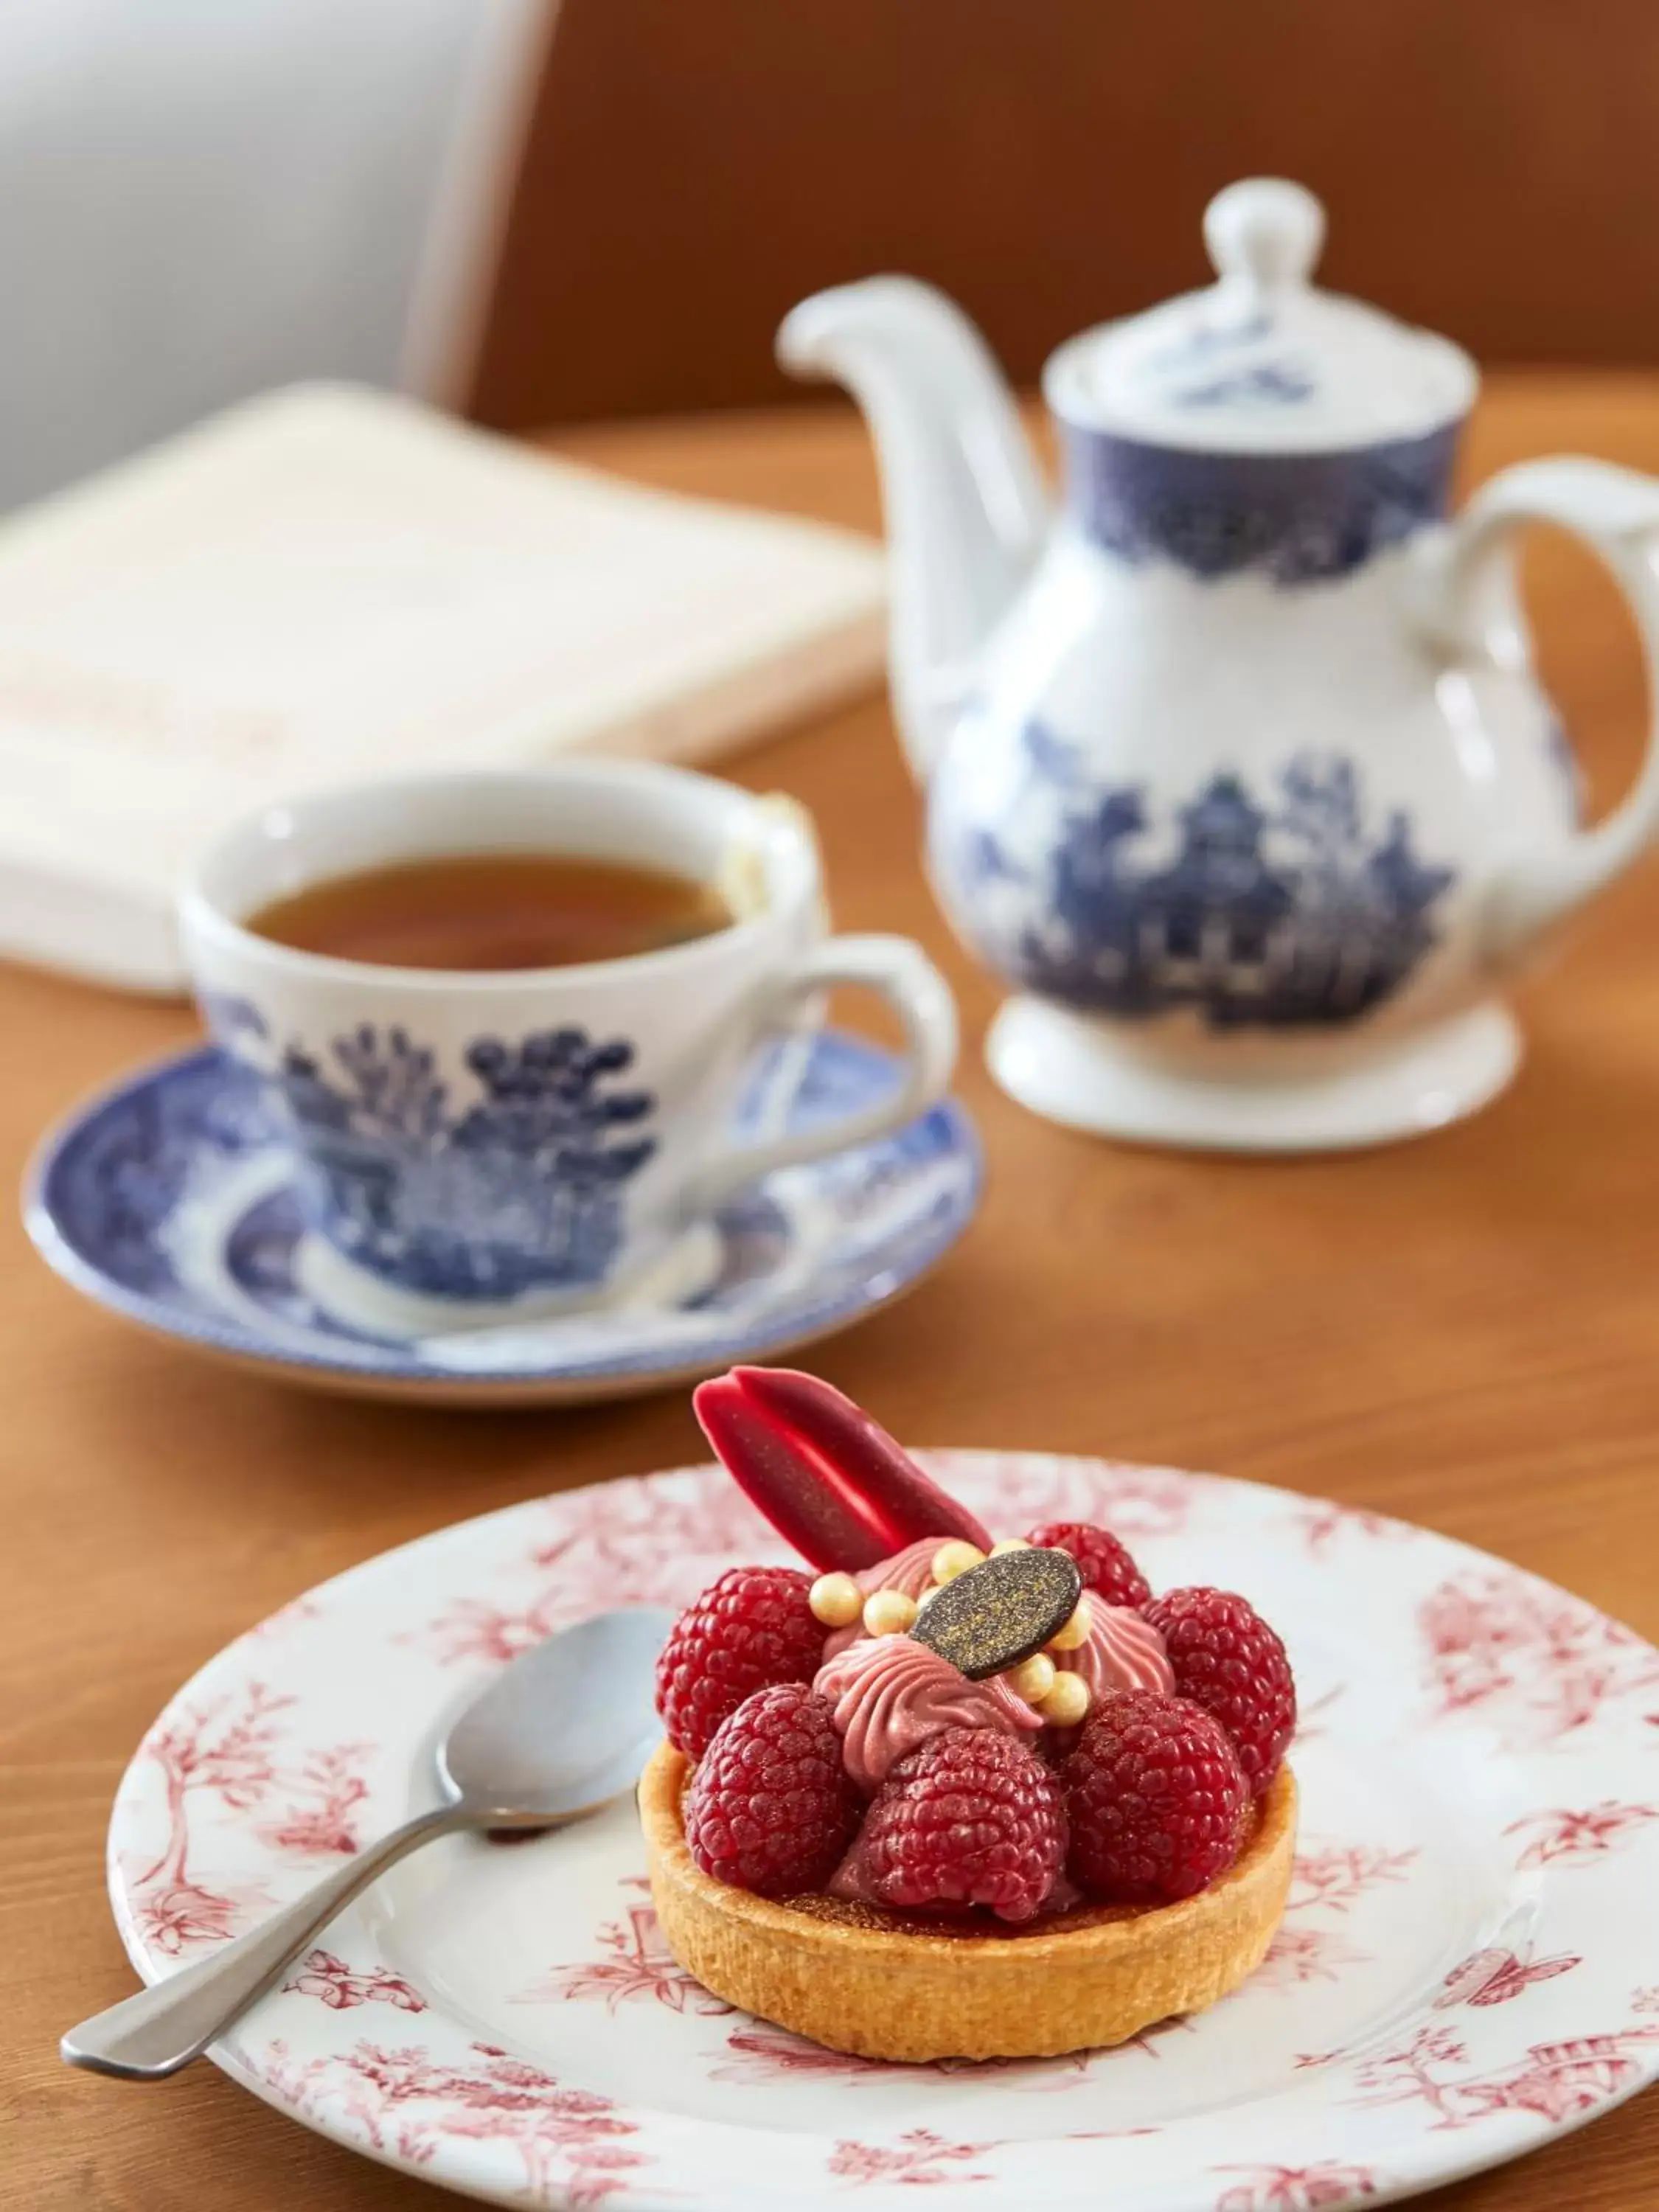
(1265, 230)
(1264, 361)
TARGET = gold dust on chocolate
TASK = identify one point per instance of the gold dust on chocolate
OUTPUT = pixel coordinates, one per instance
(1001, 1612)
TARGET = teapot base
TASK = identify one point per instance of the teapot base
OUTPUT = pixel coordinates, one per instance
(1090, 1075)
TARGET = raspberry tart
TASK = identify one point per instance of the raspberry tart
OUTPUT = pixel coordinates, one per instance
(945, 1794)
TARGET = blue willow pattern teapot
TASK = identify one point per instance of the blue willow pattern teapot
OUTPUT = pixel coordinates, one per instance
(1237, 768)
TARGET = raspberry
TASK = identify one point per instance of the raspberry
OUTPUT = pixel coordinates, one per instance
(969, 1817)
(1104, 1562)
(770, 1808)
(1156, 1798)
(1227, 1659)
(751, 1629)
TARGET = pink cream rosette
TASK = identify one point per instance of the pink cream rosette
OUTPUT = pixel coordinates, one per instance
(891, 1694)
(910, 1571)
(1122, 1652)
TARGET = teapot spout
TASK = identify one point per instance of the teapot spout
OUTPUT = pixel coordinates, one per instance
(965, 507)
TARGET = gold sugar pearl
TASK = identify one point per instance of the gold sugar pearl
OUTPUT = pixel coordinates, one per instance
(954, 1558)
(1075, 1633)
(888, 1613)
(1067, 1701)
(1009, 1544)
(1035, 1678)
(835, 1600)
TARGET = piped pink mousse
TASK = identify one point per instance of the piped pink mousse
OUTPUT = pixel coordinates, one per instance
(1121, 1652)
(910, 1571)
(891, 1694)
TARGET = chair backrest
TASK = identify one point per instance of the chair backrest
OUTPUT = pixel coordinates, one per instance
(202, 198)
(696, 166)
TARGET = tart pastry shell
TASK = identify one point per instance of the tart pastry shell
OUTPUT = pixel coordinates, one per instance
(896, 1986)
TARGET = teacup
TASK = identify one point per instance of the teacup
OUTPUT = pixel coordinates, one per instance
(476, 1146)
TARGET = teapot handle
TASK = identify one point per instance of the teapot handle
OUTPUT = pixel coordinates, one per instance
(1616, 514)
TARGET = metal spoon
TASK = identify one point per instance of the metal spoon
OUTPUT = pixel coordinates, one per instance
(560, 1732)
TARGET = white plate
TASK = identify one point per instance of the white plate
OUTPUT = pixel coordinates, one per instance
(1470, 1963)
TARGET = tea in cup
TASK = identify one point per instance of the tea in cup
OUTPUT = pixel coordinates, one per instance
(508, 1017)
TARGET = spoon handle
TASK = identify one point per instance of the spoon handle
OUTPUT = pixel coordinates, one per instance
(160, 2029)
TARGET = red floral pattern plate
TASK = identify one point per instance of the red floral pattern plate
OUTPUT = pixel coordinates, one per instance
(1470, 1963)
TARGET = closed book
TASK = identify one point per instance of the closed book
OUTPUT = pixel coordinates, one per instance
(328, 584)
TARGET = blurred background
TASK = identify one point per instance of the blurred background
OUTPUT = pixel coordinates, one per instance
(693, 168)
(542, 214)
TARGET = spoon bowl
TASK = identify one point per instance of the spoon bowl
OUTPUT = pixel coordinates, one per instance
(564, 1729)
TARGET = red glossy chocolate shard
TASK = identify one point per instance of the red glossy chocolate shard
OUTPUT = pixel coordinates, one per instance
(862, 1456)
(828, 1527)
(830, 1481)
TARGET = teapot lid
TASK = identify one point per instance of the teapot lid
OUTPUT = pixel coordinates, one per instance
(1261, 361)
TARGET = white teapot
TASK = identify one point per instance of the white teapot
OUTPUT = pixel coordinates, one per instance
(1238, 769)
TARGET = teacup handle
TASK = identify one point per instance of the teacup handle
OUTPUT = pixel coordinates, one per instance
(1615, 512)
(898, 971)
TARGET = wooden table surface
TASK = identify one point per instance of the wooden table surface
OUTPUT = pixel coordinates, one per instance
(1460, 1330)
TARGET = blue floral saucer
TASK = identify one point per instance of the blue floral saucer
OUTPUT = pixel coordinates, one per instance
(170, 1199)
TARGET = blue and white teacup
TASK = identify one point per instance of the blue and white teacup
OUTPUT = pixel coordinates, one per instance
(475, 1147)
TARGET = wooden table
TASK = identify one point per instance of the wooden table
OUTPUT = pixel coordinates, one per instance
(1462, 1330)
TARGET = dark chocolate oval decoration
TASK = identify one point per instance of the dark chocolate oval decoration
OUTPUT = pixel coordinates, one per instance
(1000, 1612)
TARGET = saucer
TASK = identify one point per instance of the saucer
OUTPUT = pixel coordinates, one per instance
(1468, 1968)
(170, 1198)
